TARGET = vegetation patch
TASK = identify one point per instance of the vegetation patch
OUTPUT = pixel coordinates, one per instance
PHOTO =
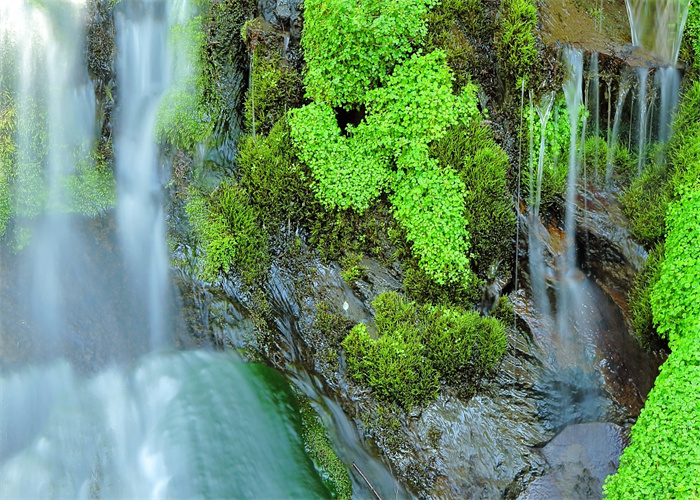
(418, 346)
(351, 47)
(227, 226)
(640, 296)
(662, 460)
(483, 167)
(516, 38)
(332, 470)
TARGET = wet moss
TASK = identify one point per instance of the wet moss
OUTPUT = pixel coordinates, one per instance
(332, 470)
(275, 85)
(640, 297)
(228, 228)
(483, 167)
(516, 39)
(417, 346)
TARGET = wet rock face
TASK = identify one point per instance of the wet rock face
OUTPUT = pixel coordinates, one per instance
(283, 14)
(579, 459)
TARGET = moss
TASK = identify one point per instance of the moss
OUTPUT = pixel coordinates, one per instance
(275, 87)
(646, 201)
(183, 119)
(640, 297)
(225, 65)
(451, 25)
(483, 167)
(228, 227)
(351, 268)
(332, 470)
(515, 38)
(625, 165)
(275, 179)
(461, 345)
(392, 365)
(419, 345)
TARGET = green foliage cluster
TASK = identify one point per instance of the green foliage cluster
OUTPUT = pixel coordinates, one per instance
(647, 199)
(183, 119)
(483, 167)
(515, 44)
(417, 346)
(675, 298)
(227, 225)
(351, 47)
(350, 171)
(662, 460)
(333, 472)
(691, 35)
(275, 87)
(274, 178)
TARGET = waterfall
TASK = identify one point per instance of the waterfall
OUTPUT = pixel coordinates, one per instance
(572, 91)
(642, 74)
(612, 137)
(657, 27)
(142, 69)
(536, 230)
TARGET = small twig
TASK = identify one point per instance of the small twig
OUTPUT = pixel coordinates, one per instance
(367, 481)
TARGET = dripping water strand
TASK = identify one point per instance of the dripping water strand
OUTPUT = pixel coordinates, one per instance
(517, 201)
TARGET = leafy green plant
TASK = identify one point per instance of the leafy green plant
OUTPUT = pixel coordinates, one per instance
(662, 460)
(352, 46)
(675, 298)
(415, 107)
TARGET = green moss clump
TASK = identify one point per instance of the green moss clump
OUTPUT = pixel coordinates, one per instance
(449, 24)
(393, 365)
(647, 199)
(417, 346)
(515, 38)
(275, 179)
(625, 165)
(332, 470)
(640, 296)
(483, 167)
(461, 345)
(690, 48)
(275, 88)
(228, 227)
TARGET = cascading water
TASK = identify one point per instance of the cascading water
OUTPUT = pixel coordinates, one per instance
(142, 69)
(85, 410)
(536, 255)
(615, 132)
(658, 28)
(642, 74)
